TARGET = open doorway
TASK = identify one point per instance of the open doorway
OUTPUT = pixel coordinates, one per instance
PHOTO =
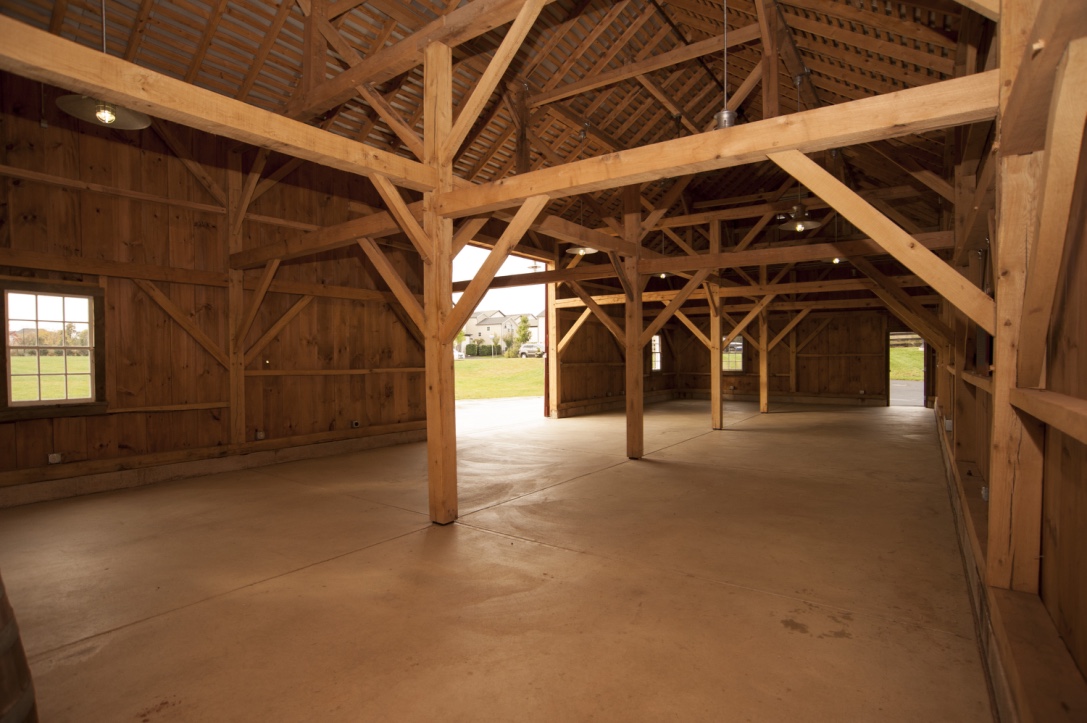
(500, 351)
(906, 368)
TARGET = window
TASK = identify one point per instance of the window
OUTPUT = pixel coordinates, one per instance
(732, 356)
(655, 353)
(50, 355)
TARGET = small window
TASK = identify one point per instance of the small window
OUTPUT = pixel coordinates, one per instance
(732, 356)
(655, 353)
(52, 354)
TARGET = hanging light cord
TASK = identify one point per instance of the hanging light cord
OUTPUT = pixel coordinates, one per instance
(103, 27)
(724, 34)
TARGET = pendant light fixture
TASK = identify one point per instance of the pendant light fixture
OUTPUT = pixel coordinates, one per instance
(725, 118)
(101, 112)
(799, 220)
(581, 250)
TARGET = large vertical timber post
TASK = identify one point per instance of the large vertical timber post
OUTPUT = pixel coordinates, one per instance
(438, 290)
(716, 401)
(764, 352)
(632, 225)
(552, 361)
(235, 300)
(1016, 450)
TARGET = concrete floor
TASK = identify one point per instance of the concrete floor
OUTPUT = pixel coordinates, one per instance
(797, 566)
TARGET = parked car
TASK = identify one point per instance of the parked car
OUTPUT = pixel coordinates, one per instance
(530, 348)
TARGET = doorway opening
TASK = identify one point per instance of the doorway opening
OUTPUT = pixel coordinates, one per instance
(906, 368)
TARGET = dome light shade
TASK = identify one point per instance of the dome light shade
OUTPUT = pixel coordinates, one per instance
(581, 250)
(99, 112)
(800, 220)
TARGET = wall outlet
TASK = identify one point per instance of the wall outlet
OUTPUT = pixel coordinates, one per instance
(260, 434)
(355, 424)
(55, 458)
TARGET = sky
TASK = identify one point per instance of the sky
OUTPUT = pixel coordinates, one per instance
(517, 300)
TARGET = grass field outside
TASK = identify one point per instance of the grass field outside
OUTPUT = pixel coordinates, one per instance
(907, 364)
(56, 382)
(497, 377)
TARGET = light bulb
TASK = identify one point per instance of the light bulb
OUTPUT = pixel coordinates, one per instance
(664, 276)
(105, 112)
(837, 260)
(799, 225)
(581, 252)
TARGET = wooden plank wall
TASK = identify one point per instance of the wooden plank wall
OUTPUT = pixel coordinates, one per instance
(847, 354)
(152, 361)
(1064, 536)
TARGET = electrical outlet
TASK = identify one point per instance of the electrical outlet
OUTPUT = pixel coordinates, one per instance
(55, 458)
(355, 424)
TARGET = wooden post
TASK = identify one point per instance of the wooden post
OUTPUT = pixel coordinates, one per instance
(771, 87)
(552, 348)
(764, 353)
(438, 289)
(632, 228)
(716, 400)
(1016, 457)
(1016, 446)
(235, 300)
(965, 394)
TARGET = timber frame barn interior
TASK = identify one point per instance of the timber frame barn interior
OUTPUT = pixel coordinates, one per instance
(270, 260)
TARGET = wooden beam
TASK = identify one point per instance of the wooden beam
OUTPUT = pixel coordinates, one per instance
(934, 330)
(1064, 146)
(673, 306)
(1060, 411)
(604, 317)
(395, 282)
(766, 11)
(437, 289)
(478, 286)
(797, 253)
(565, 341)
(915, 110)
(182, 154)
(254, 305)
(698, 333)
(713, 343)
(273, 331)
(634, 362)
(399, 210)
(466, 232)
(908, 165)
(948, 282)
(1024, 120)
(752, 314)
(500, 61)
(174, 312)
(466, 22)
(985, 8)
(657, 62)
(43, 57)
(789, 327)
(1017, 442)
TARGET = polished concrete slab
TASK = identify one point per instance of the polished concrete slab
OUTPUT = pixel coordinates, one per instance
(799, 565)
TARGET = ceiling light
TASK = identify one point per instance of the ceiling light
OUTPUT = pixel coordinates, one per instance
(800, 220)
(581, 250)
(101, 112)
(837, 260)
(725, 118)
(105, 112)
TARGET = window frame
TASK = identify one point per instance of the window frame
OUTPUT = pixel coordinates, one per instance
(58, 408)
(743, 355)
(657, 355)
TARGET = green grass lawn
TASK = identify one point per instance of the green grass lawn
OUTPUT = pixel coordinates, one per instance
(53, 379)
(907, 364)
(497, 377)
